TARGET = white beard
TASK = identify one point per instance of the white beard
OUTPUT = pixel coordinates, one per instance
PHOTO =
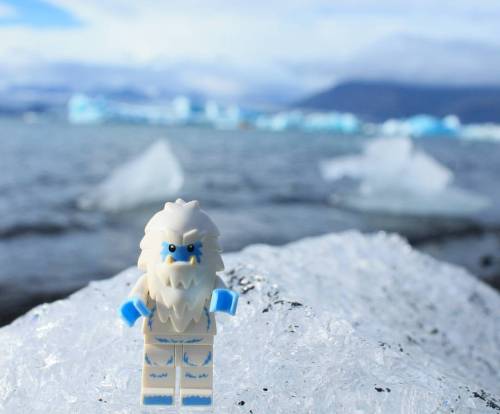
(180, 291)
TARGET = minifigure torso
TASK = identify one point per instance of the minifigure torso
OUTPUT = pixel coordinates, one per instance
(153, 326)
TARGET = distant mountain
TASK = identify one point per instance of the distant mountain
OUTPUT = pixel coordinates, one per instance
(379, 101)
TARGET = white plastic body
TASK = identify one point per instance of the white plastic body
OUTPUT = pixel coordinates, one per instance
(179, 333)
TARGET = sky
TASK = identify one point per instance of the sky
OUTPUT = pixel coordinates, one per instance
(247, 50)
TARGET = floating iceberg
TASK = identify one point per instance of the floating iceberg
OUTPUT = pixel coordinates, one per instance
(280, 121)
(422, 126)
(342, 123)
(231, 117)
(84, 110)
(154, 175)
(342, 323)
(396, 177)
(488, 132)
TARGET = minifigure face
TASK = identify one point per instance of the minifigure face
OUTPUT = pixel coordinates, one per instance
(191, 252)
(181, 265)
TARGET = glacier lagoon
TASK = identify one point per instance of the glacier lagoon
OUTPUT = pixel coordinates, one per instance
(343, 323)
(63, 224)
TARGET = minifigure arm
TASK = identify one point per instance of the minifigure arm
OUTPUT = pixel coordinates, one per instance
(140, 289)
(135, 305)
(219, 283)
(223, 299)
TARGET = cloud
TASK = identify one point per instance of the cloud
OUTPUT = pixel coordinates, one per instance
(232, 48)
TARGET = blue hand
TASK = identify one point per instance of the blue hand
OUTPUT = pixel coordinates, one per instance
(141, 306)
(132, 309)
(224, 300)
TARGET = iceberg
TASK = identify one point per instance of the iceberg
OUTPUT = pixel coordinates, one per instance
(280, 121)
(487, 132)
(154, 175)
(396, 177)
(343, 123)
(422, 126)
(230, 117)
(84, 110)
(343, 323)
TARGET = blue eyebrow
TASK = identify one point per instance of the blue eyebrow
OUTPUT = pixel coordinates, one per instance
(181, 253)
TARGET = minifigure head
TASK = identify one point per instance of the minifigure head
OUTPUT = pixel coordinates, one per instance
(180, 255)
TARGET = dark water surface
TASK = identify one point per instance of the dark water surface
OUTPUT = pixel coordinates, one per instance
(259, 188)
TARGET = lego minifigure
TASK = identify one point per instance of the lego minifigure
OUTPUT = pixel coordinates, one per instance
(177, 296)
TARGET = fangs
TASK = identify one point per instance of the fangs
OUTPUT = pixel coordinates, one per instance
(180, 282)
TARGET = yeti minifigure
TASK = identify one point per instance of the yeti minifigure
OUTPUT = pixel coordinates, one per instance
(177, 295)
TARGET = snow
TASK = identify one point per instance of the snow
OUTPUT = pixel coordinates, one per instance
(396, 177)
(154, 175)
(341, 323)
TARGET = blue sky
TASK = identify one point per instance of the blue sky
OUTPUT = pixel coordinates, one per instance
(236, 49)
(35, 13)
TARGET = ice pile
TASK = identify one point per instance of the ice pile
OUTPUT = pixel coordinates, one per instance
(154, 175)
(396, 177)
(342, 323)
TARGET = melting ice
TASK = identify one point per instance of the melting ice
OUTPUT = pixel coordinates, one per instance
(154, 175)
(396, 177)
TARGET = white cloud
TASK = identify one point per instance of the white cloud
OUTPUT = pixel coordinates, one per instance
(240, 45)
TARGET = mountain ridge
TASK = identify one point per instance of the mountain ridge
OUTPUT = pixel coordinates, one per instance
(380, 100)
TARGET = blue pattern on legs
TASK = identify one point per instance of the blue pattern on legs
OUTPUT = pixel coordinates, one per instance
(157, 400)
(197, 400)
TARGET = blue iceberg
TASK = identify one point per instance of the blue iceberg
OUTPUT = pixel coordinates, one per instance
(280, 121)
(423, 126)
(85, 110)
(343, 123)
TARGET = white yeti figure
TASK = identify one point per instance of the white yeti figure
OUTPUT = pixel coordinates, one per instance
(177, 296)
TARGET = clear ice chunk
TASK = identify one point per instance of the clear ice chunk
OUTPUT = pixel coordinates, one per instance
(342, 323)
(396, 177)
(154, 175)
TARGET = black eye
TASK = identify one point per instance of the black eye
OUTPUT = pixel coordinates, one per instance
(171, 248)
(190, 248)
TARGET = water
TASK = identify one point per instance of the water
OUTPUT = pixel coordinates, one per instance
(259, 187)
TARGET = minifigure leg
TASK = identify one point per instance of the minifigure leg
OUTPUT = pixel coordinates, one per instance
(196, 375)
(158, 375)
